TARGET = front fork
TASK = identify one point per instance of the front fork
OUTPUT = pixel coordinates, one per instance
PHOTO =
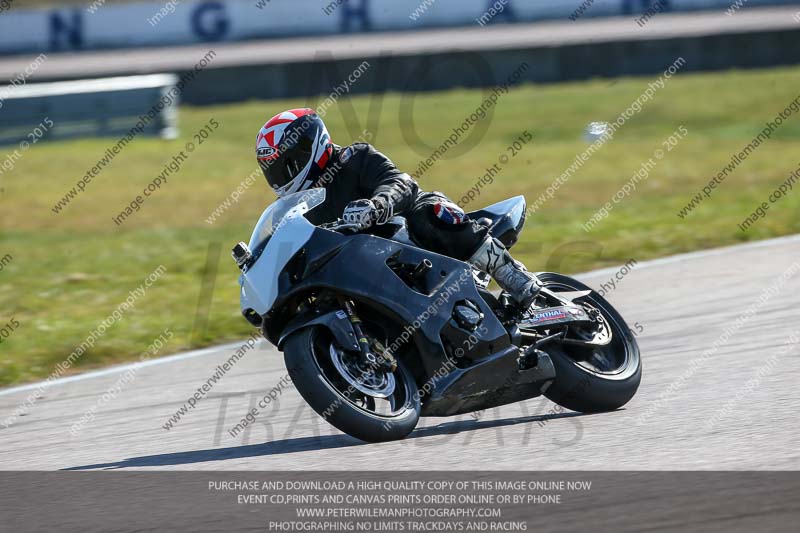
(386, 361)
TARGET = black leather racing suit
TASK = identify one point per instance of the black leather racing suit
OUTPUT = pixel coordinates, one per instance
(434, 221)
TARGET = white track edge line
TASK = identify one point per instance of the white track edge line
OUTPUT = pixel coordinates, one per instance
(116, 369)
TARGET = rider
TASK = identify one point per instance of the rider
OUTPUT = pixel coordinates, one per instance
(295, 152)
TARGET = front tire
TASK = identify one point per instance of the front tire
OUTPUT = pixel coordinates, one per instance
(307, 357)
(581, 386)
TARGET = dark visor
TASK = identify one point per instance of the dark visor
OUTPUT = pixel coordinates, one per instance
(288, 164)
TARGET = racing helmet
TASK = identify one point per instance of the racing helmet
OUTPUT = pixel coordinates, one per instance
(292, 149)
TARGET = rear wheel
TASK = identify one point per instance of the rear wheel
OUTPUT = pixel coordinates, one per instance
(592, 378)
(369, 404)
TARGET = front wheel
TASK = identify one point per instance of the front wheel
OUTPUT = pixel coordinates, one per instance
(593, 378)
(368, 404)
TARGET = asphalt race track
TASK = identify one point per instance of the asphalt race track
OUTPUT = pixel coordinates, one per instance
(735, 409)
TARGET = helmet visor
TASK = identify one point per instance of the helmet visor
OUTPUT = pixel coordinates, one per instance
(289, 163)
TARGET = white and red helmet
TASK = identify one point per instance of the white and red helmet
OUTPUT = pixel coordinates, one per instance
(293, 148)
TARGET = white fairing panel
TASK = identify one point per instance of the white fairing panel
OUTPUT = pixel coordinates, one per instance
(260, 282)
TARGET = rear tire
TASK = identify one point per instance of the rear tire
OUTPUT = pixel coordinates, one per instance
(301, 351)
(579, 388)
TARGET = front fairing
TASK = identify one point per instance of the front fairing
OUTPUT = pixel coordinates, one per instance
(358, 267)
(281, 232)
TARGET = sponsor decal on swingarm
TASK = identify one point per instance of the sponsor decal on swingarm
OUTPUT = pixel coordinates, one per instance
(543, 316)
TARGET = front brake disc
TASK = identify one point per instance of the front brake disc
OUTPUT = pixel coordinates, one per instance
(368, 381)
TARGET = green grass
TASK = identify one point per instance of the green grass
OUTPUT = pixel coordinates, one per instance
(72, 269)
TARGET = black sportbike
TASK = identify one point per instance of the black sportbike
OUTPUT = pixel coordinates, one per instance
(377, 332)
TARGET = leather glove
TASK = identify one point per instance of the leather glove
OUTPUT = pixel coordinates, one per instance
(361, 213)
(383, 209)
(364, 213)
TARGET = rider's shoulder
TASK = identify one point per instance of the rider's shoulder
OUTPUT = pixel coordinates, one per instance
(356, 152)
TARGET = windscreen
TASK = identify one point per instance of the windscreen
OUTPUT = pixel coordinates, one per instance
(272, 216)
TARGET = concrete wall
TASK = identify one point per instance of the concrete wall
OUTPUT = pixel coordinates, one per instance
(424, 72)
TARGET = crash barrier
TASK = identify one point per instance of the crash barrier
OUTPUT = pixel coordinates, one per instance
(321, 78)
(132, 105)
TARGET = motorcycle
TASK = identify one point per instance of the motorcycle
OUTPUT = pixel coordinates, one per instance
(377, 332)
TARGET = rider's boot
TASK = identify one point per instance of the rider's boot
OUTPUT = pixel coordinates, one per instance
(493, 258)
